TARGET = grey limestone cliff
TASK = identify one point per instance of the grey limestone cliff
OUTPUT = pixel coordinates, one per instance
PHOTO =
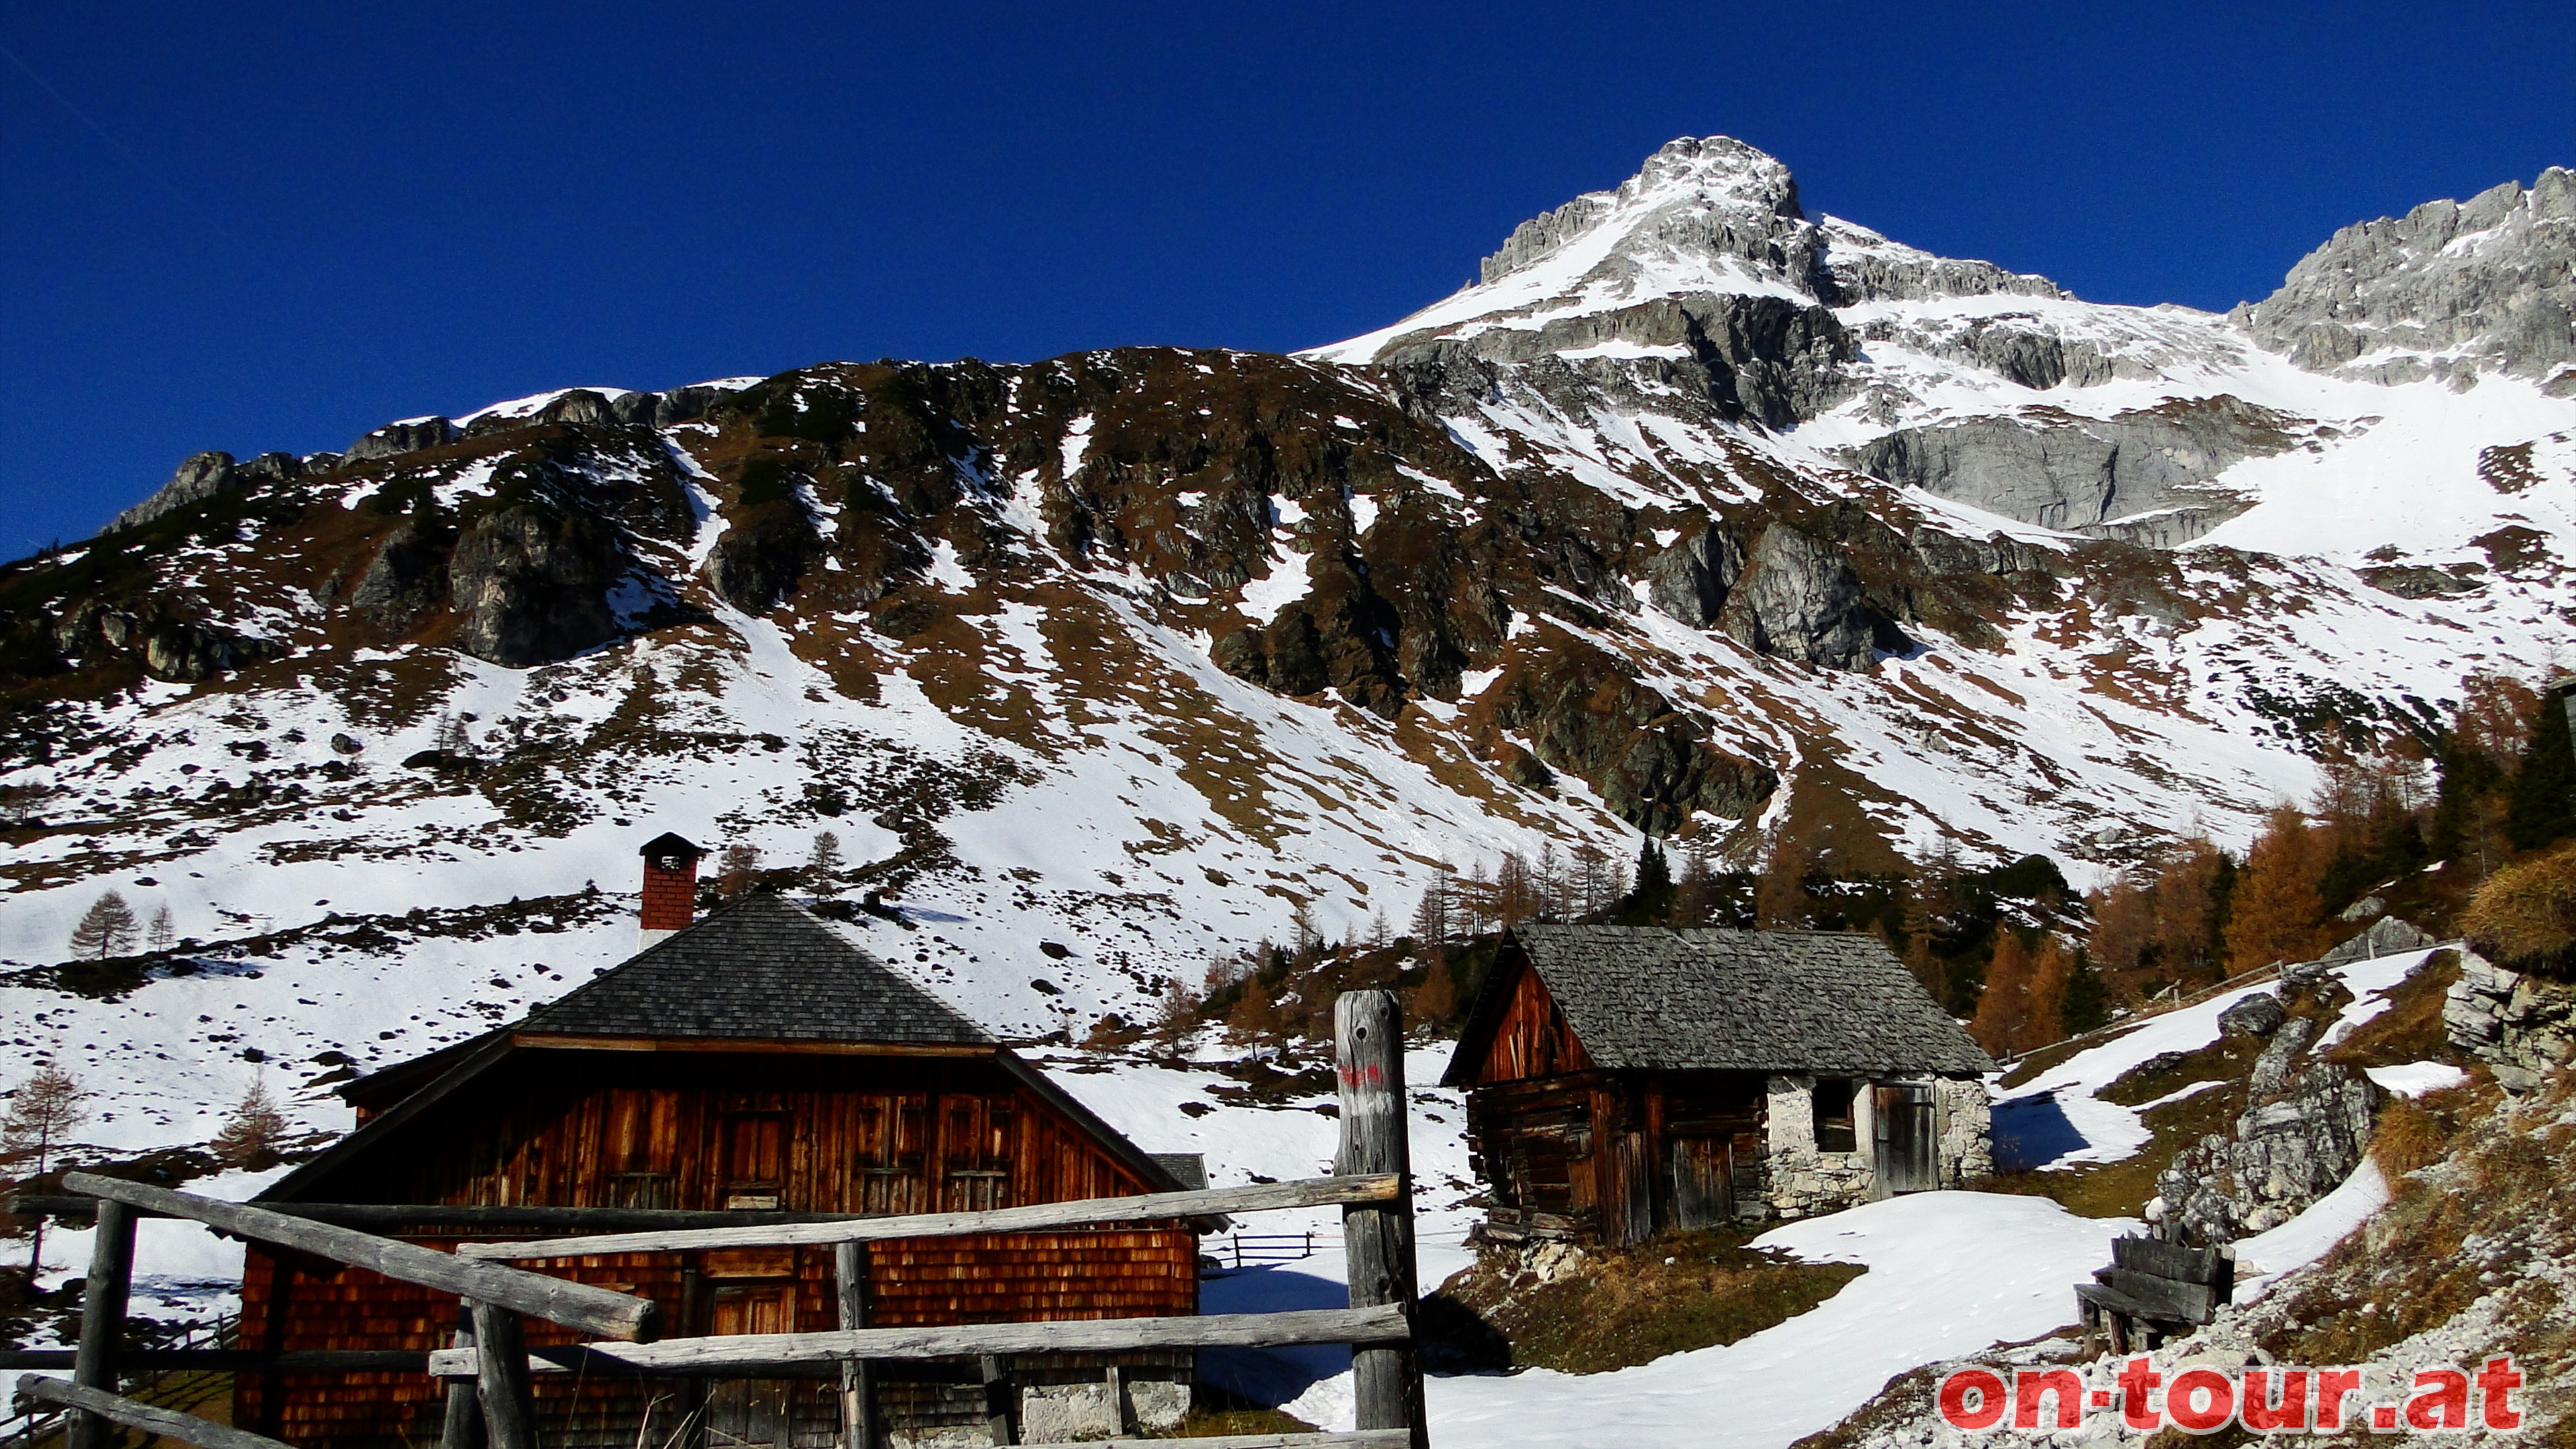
(2449, 290)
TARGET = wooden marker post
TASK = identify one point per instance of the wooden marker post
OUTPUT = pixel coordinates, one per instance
(501, 1378)
(1368, 1050)
(858, 1376)
(111, 1275)
(463, 1428)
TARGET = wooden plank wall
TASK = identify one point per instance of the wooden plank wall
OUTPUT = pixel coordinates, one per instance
(1551, 1147)
(1533, 1039)
(820, 1135)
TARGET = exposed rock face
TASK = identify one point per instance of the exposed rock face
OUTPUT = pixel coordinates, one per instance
(407, 577)
(531, 585)
(1800, 600)
(2520, 1026)
(203, 476)
(1584, 714)
(2306, 1127)
(2448, 290)
(395, 439)
(1690, 580)
(2090, 475)
(166, 645)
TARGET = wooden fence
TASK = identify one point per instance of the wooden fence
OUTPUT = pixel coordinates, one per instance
(489, 1366)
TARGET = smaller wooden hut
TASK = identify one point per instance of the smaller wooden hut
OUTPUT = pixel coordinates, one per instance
(1623, 1080)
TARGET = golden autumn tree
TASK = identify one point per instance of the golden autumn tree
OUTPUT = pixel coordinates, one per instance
(2003, 1008)
(2278, 911)
(2185, 909)
(2052, 967)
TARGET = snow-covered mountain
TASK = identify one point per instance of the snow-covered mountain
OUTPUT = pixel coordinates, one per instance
(1694, 515)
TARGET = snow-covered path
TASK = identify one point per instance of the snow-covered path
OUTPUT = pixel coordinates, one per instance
(1949, 1273)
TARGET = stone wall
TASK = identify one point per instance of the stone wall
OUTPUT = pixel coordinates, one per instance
(1966, 1146)
(2519, 1025)
(1801, 1180)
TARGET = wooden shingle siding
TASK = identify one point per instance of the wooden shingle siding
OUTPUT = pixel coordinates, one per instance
(809, 1133)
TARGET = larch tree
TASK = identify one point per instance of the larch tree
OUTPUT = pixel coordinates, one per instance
(164, 932)
(826, 866)
(2277, 914)
(2003, 1007)
(46, 1108)
(1780, 894)
(2052, 969)
(252, 1134)
(736, 866)
(106, 929)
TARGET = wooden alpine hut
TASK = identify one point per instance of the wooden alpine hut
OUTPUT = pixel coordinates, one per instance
(1623, 1080)
(758, 1066)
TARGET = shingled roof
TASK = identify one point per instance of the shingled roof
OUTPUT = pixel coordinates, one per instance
(760, 969)
(1646, 998)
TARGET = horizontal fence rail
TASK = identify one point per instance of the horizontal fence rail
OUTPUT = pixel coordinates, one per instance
(168, 1423)
(574, 1305)
(1083, 1212)
(735, 1355)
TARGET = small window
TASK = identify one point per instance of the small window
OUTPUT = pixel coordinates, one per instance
(1834, 1115)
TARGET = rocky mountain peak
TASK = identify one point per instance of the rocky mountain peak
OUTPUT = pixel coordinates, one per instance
(2448, 291)
(1713, 195)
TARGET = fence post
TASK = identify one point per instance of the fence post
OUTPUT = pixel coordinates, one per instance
(463, 1428)
(111, 1274)
(858, 1376)
(501, 1378)
(1001, 1400)
(1377, 1238)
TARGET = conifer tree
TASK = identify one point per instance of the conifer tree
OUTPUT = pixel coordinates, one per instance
(44, 1110)
(2003, 1006)
(824, 869)
(2088, 999)
(1650, 901)
(1435, 1001)
(164, 931)
(2052, 968)
(251, 1135)
(2543, 798)
(2275, 912)
(735, 867)
(1780, 896)
(106, 929)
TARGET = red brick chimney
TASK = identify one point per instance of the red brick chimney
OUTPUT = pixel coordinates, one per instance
(670, 888)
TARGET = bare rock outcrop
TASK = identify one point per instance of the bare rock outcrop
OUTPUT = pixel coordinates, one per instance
(530, 585)
(2449, 290)
(2306, 1126)
(2143, 476)
(2520, 1025)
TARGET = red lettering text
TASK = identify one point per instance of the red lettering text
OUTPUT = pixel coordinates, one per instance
(2201, 1400)
(1989, 1390)
(2029, 1385)
(2258, 1412)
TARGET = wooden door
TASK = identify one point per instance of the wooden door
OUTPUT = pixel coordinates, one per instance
(750, 1413)
(1902, 1121)
(1702, 1172)
(1634, 1175)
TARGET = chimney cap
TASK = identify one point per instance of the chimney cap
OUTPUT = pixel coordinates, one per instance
(669, 844)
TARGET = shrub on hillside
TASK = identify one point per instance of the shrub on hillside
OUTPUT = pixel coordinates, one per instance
(2524, 917)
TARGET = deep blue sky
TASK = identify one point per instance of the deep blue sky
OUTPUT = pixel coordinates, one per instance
(281, 225)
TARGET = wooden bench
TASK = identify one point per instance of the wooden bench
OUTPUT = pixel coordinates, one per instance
(2153, 1291)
